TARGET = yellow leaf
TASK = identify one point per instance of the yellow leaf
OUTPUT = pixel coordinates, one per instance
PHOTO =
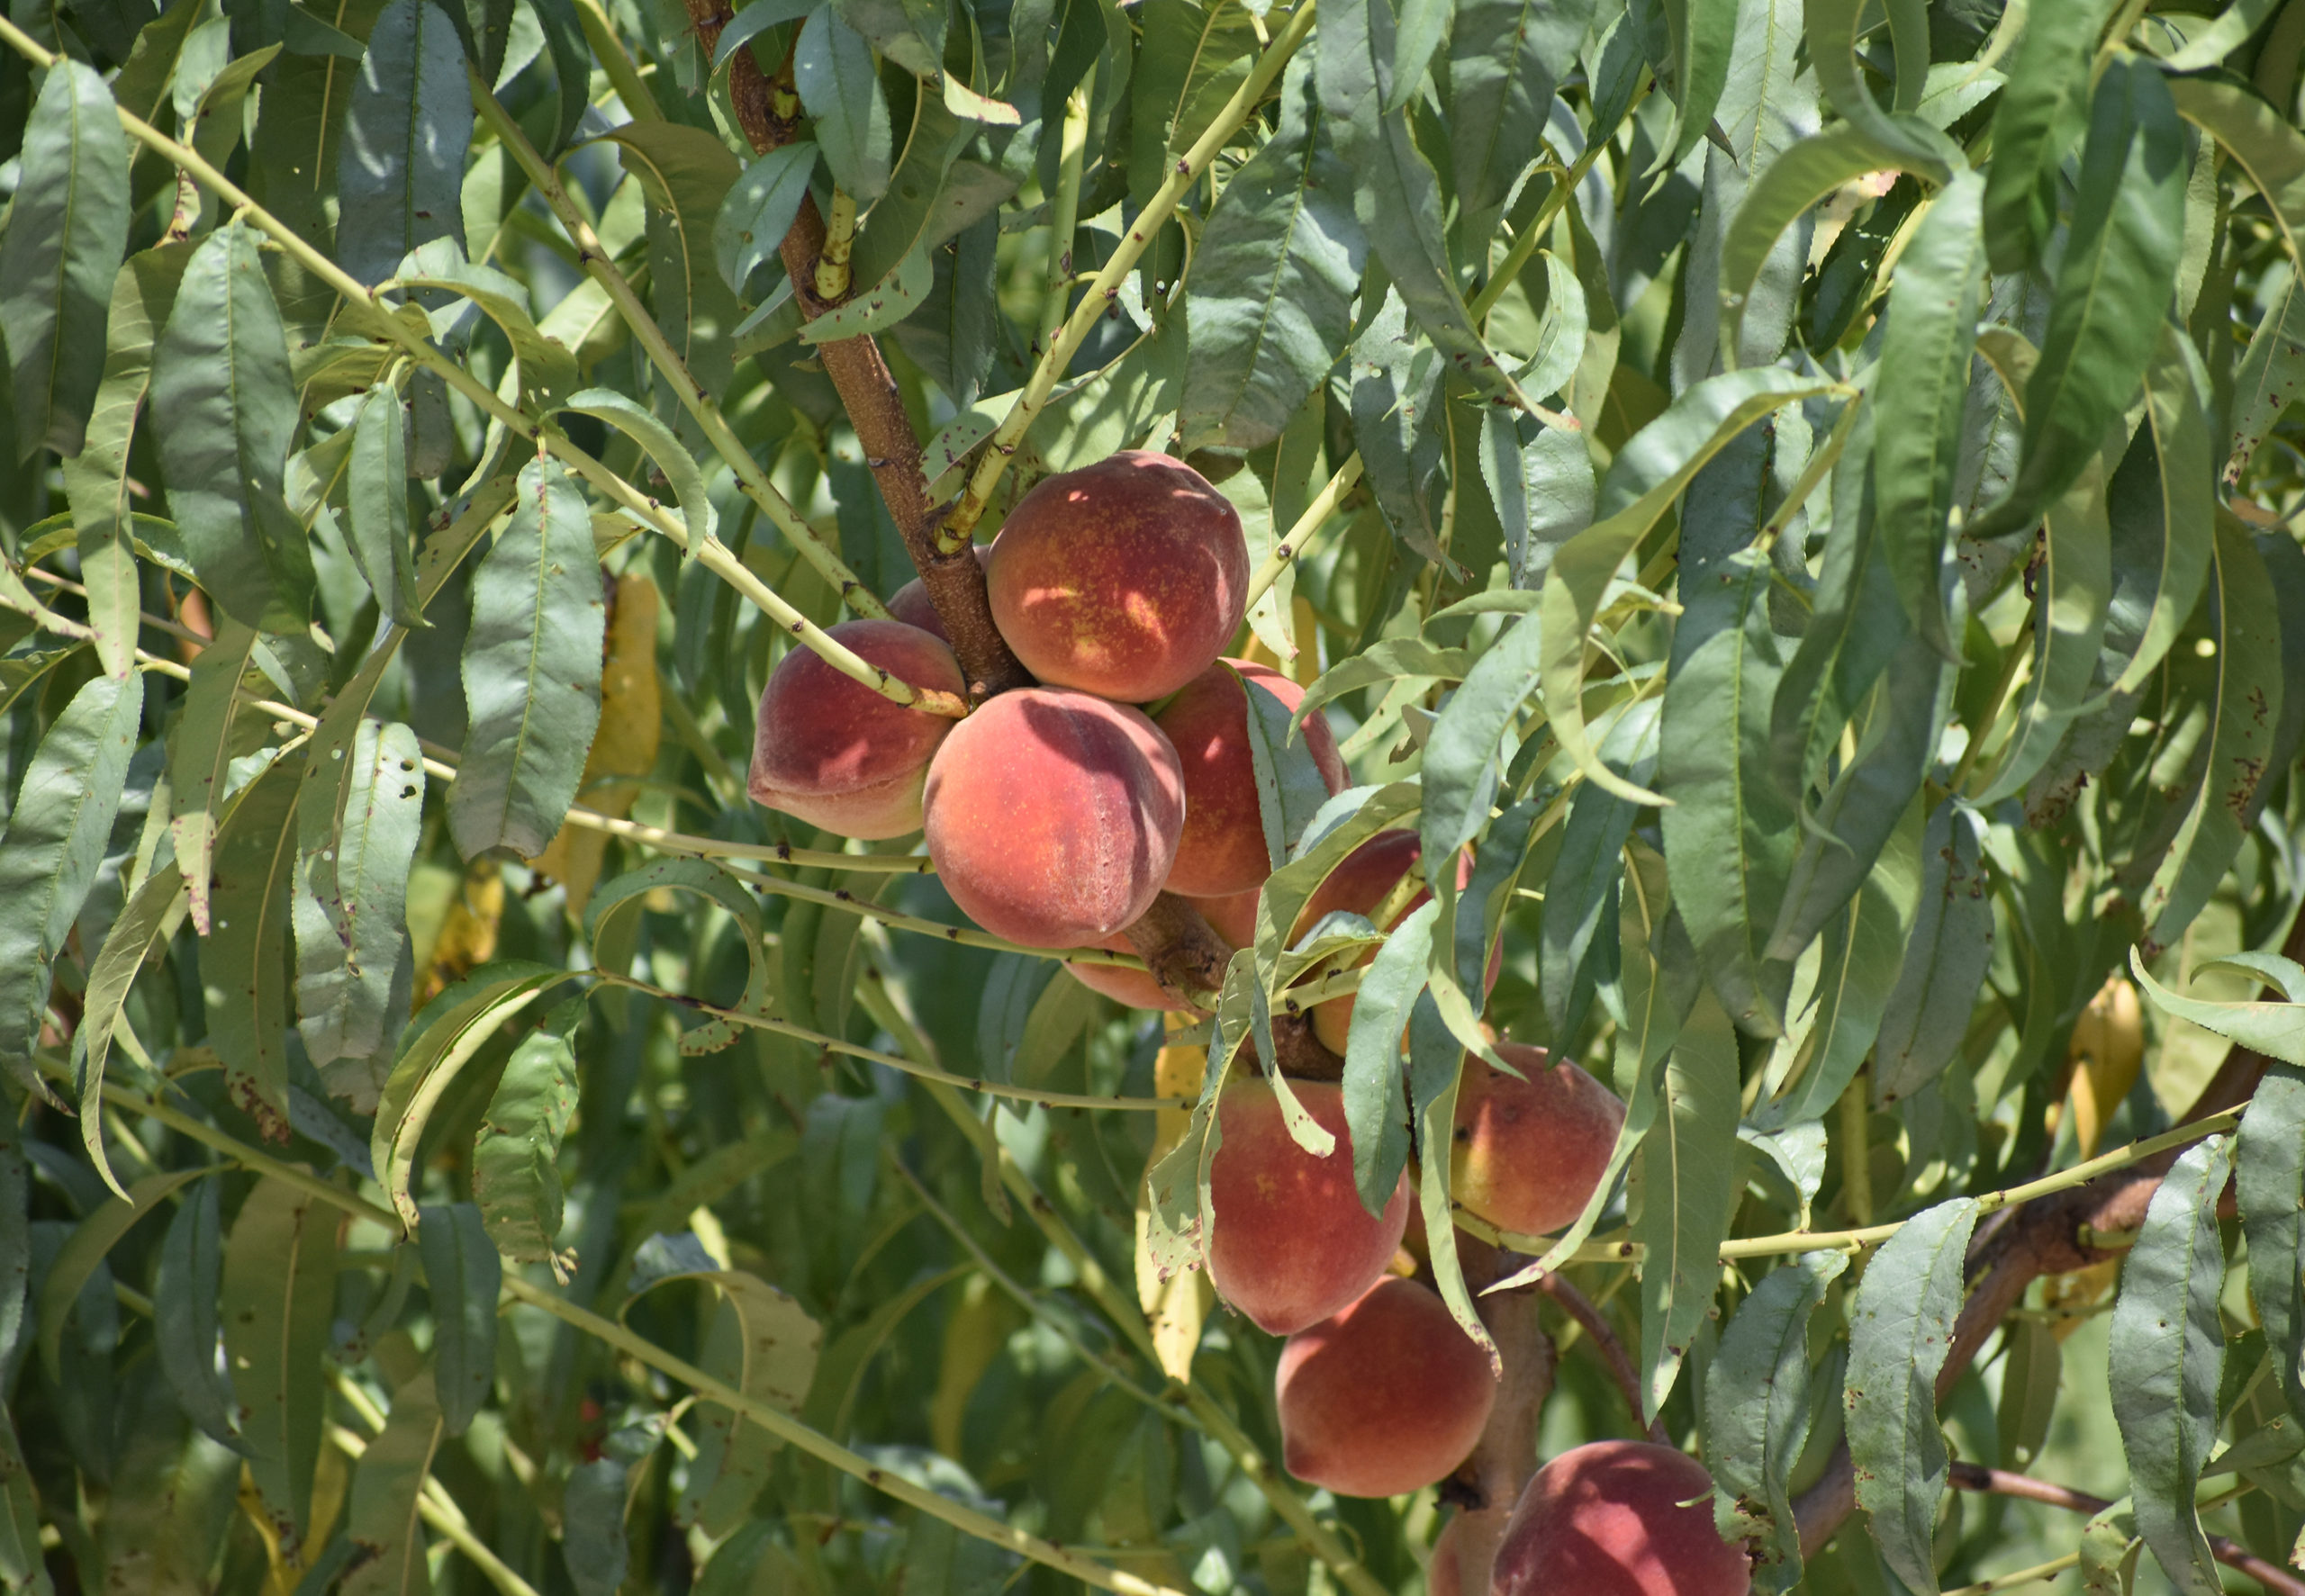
(467, 938)
(631, 722)
(2107, 1050)
(1175, 1307)
(979, 1327)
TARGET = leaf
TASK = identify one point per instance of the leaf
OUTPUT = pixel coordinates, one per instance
(531, 671)
(2039, 109)
(710, 881)
(686, 174)
(279, 1295)
(832, 72)
(2165, 1357)
(66, 234)
(1832, 29)
(2247, 630)
(658, 441)
(2261, 139)
(1290, 788)
(401, 160)
(1944, 962)
(1756, 1406)
(376, 498)
(223, 408)
(1646, 475)
(243, 963)
(1587, 873)
(1729, 834)
(1461, 769)
(1273, 281)
(1931, 331)
(200, 749)
(1686, 1175)
(2267, 378)
(143, 924)
(463, 1276)
(1397, 397)
(350, 909)
(1805, 173)
(1540, 480)
(90, 1240)
(759, 209)
(55, 841)
(1702, 33)
(1900, 1328)
(2110, 1545)
(2274, 1029)
(2119, 266)
(1505, 60)
(184, 1323)
(1376, 1099)
(1395, 194)
(2269, 1178)
(2175, 389)
(516, 1156)
(382, 1517)
(547, 370)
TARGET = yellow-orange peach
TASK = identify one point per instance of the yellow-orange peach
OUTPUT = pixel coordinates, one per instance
(1529, 1152)
(1386, 1396)
(1224, 848)
(1052, 817)
(1619, 1518)
(1126, 577)
(1290, 1242)
(838, 754)
(911, 604)
(1234, 918)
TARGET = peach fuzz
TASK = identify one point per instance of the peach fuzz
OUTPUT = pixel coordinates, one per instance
(1234, 918)
(1126, 579)
(1529, 1152)
(911, 604)
(1222, 849)
(1289, 1241)
(1609, 1518)
(1387, 1396)
(838, 754)
(1052, 817)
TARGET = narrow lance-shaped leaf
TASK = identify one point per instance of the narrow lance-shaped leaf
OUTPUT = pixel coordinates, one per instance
(2177, 411)
(2038, 111)
(2165, 1357)
(376, 501)
(279, 1296)
(1586, 874)
(1900, 1328)
(223, 410)
(1756, 1409)
(516, 1156)
(531, 671)
(1688, 1175)
(1290, 789)
(143, 924)
(1944, 962)
(1540, 480)
(463, 1276)
(2267, 378)
(2269, 1177)
(351, 889)
(201, 747)
(243, 965)
(67, 230)
(400, 163)
(663, 446)
(833, 74)
(1376, 1101)
(1462, 752)
(759, 209)
(1703, 33)
(1505, 58)
(185, 1322)
(54, 843)
(388, 1482)
(1832, 36)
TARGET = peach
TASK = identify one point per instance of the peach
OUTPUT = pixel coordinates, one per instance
(838, 754)
(1234, 918)
(1529, 1152)
(1222, 849)
(1619, 1518)
(1290, 1242)
(910, 603)
(1386, 1396)
(1052, 817)
(1359, 885)
(1126, 579)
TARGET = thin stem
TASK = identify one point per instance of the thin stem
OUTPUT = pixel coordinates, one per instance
(623, 74)
(1603, 1337)
(2034, 1575)
(962, 936)
(1064, 205)
(1317, 516)
(961, 523)
(1525, 245)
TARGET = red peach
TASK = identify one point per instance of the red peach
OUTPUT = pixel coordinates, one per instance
(1224, 849)
(1359, 885)
(1619, 1518)
(838, 754)
(911, 605)
(1529, 1152)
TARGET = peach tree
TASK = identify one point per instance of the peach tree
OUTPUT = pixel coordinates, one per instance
(1794, 501)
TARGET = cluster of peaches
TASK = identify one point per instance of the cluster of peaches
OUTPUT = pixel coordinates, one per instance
(1055, 813)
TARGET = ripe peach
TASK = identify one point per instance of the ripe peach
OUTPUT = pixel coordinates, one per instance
(1052, 817)
(910, 603)
(1359, 885)
(1290, 1242)
(834, 753)
(1386, 1396)
(1234, 918)
(1619, 1518)
(1529, 1152)
(1222, 849)
(1126, 577)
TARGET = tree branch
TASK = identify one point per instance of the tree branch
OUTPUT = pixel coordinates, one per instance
(1579, 1307)
(2000, 1481)
(1488, 1483)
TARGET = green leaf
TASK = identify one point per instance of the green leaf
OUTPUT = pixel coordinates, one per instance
(1687, 1186)
(145, 923)
(387, 1484)
(2267, 378)
(1587, 871)
(2176, 410)
(54, 843)
(1290, 788)
(1505, 58)
(2041, 111)
(1539, 478)
(1900, 1330)
(1805, 173)
(244, 962)
(2247, 630)
(531, 671)
(2269, 1178)
(516, 1156)
(709, 881)
(1756, 1409)
(2165, 1358)
(2113, 284)
(223, 410)
(1463, 752)
(686, 174)
(279, 1296)
(2261, 139)
(200, 749)
(679, 466)
(1703, 32)
(1729, 834)
(376, 498)
(1832, 28)
(1376, 1100)
(2274, 1029)
(1944, 962)
(1917, 434)
(401, 162)
(90, 1242)
(2110, 1545)
(547, 370)
(1273, 281)
(759, 210)
(832, 72)
(66, 230)
(463, 1276)
(1401, 427)
(184, 1320)
(349, 910)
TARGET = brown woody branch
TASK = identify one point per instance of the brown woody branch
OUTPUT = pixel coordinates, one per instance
(2000, 1482)
(1597, 1328)
(1488, 1483)
(2047, 1237)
